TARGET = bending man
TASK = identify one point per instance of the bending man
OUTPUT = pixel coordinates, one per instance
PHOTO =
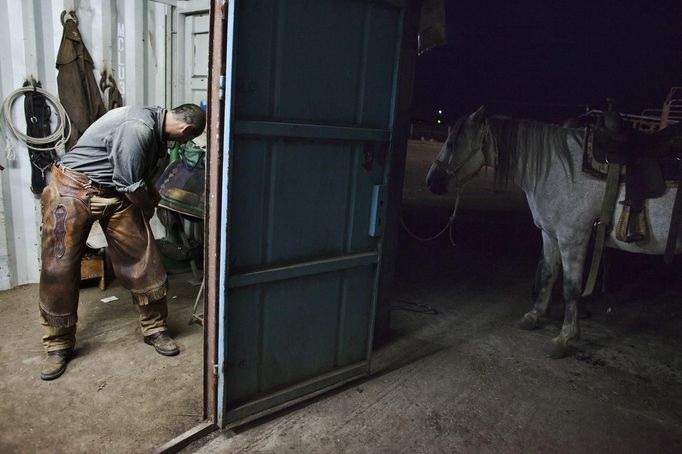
(107, 177)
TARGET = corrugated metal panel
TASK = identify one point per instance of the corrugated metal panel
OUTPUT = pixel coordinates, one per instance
(131, 38)
(313, 98)
(4, 253)
(20, 58)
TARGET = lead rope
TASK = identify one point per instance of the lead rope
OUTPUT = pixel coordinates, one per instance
(449, 226)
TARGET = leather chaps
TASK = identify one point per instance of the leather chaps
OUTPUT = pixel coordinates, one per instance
(70, 205)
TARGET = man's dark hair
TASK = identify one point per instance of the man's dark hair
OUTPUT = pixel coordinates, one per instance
(193, 115)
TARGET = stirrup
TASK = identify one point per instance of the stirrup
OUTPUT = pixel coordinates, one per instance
(631, 226)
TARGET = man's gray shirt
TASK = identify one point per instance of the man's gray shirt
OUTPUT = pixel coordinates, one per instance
(121, 149)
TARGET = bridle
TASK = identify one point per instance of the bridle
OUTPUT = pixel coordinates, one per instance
(447, 167)
(451, 171)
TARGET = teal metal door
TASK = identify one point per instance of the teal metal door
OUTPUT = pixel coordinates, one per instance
(310, 99)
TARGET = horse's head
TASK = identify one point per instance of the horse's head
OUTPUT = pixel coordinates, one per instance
(463, 154)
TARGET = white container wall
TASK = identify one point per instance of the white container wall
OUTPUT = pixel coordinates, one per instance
(134, 39)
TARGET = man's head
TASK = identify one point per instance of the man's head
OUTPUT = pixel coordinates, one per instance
(184, 123)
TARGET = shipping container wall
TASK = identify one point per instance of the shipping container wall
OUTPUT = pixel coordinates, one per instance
(132, 39)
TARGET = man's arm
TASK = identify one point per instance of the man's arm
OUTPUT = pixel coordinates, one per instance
(148, 198)
(128, 154)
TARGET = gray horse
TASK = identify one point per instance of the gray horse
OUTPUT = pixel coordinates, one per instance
(545, 162)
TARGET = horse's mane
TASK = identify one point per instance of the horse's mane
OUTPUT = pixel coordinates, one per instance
(530, 146)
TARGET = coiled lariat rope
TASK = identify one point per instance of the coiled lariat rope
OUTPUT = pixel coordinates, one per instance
(59, 137)
(449, 226)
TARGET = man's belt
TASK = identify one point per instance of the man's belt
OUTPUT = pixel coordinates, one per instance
(86, 183)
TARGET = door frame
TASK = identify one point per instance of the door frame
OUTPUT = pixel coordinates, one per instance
(214, 121)
(219, 96)
(183, 10)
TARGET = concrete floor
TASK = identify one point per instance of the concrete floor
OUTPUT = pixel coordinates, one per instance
(117, 395)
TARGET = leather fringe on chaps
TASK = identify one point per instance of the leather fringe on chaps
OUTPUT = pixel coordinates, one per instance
(150, 297)
(59, 321)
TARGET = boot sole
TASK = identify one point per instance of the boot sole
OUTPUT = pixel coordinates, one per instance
(53, 375)
(58, 373)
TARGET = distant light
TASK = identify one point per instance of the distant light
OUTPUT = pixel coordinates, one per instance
(438, 121)
(440, 112)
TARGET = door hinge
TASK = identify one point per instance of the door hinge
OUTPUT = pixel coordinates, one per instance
(221, 90)
(215, 370)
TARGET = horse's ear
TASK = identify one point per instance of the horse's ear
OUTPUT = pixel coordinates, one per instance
(477, 116)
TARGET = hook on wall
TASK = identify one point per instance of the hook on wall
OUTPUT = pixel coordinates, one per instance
(107, 80)
(69, 15)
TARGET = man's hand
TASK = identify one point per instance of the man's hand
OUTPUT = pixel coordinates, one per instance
(145, 199)
(148, 212)
(154, 196)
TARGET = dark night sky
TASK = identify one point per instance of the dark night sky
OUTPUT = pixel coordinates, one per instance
(547, 59)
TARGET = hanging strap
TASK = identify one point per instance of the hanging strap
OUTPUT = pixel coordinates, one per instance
(37, 112)
(603, 225)
(675, 222)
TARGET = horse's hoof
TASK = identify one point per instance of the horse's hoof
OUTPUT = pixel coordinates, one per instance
(529, 322)
(558, 348)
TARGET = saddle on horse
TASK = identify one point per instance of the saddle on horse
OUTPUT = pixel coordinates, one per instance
(650, 160)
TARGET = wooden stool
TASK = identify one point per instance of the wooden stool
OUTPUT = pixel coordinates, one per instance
(94, 266)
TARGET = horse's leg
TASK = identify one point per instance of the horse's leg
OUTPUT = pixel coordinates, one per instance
(545, 277)
(573, 261)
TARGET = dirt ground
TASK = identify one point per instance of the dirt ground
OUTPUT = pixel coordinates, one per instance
(117, 394)
(457, 375)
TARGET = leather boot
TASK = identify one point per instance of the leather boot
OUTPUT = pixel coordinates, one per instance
(54, 364)
(163, 343)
